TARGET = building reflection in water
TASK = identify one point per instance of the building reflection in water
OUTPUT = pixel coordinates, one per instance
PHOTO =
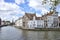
(56, 35)
(0, 30)
(46, 35)
(11, 33)
(42, 35)
(24, 35)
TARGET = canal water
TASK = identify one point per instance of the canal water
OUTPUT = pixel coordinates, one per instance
(12, 33)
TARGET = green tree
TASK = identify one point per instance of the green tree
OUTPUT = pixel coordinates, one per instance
(54, 3)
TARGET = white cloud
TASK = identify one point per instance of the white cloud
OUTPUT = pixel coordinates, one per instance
(37, 5)
(9, 11)
(19, 1)
(38, 15)
(1, 1)
(59, 14)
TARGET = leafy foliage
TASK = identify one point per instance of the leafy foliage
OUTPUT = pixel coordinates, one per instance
(54, 3)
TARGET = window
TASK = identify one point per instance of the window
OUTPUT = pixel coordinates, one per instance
(24, 24)
(34, 24)
(38, 25)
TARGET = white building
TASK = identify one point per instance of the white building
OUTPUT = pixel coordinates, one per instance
(40, 23)
(5, 22)
(37, 22)
(19, 23)
(49, 20)
(52, 20)
(55, 20)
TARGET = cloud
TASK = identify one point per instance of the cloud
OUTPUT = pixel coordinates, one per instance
(9, 11)
(37, 5)
(19, 1)
(34, 3)
(38, 15)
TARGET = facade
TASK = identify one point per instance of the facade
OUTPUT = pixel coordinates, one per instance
(51, 19)
(40, 23)
(59, 20)
(0, 21)
(32, 24)
(26, 18)
(18, 22)
(47, 17)
(55, 20)
(29, 20)
(37, 22)
(5, 22)
(44, 17)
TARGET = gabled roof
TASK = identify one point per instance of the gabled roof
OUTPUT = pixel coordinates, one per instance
(30, 16)
(48, 14)
(39, 18)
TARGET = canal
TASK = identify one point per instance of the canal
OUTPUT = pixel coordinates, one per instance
(12, 33)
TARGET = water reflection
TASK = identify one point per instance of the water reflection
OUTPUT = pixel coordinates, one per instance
(0, 29)
(56, 35)
(11, 33)
(46, 35)
(24, 35)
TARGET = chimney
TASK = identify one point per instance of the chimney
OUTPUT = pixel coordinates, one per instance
(33, 17)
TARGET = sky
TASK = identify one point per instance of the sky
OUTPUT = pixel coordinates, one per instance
(13, 9)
